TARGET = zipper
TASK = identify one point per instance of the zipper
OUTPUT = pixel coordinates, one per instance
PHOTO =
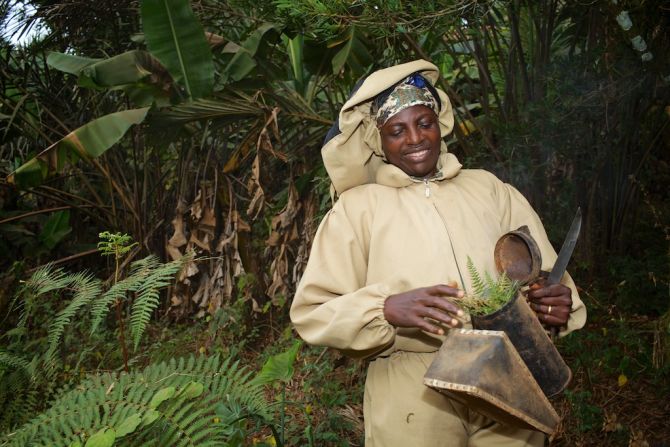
(451, 243)
(427, 193)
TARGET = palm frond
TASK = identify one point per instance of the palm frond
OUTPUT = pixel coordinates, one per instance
(226, 109)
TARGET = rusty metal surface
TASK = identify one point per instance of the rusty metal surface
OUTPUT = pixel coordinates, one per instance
(532, 343)
(517, 254)
(483, 370)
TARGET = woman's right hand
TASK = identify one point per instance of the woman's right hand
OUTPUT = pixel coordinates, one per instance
(416, 308)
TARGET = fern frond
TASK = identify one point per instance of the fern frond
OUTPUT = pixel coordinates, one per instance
(117, 292)
(144, 266)
(489, 285)
(489, 294)
(18, 400)
(13, 361)
(148, 296)
(45, 279)
(86, 288)
(478, 285)
(183, 418)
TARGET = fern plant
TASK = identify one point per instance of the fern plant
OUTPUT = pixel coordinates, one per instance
(26, 382)
(147, 277)
(488, 294)
(185, 402)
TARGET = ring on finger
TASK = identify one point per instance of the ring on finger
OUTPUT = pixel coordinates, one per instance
(549, 310)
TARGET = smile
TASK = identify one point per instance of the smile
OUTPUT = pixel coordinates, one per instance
(419, 155)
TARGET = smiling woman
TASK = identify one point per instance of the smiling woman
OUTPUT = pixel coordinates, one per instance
(386, 268)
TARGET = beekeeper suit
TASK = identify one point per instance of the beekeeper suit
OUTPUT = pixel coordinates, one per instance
(388, 233)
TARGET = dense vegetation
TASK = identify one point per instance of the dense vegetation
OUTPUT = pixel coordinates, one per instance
(161, 181)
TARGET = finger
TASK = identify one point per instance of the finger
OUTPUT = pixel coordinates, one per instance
(550, 309)
(446, 305)
(549, 291)
(444, 290)
(438, 315)
(427, 326)
(553, 301)
(557, 315)
(550, 320)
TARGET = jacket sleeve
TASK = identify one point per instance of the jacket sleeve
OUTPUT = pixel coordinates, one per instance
(333, 306)
(516, 211)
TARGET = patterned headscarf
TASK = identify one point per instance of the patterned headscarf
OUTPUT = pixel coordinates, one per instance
(412, 91)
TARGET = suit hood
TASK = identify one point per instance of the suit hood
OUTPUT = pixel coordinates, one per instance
(354, 156)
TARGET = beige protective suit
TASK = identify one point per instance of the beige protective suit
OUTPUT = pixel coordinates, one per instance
(389, 233)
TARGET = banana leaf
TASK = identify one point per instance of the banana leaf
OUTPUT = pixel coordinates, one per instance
(175, 37)
(354, 53)
(55, 229)
(138, 73)
(126, 68)
(69, 63)
(244, 62)
(87, 142)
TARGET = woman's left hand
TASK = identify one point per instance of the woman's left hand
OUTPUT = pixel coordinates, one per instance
(552, 303)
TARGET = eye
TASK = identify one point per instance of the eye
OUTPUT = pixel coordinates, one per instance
(426, 124)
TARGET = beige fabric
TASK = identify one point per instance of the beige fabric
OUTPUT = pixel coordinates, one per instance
(400, 411)
(389, 233)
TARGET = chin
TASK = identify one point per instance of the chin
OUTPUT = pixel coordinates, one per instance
(422, 171)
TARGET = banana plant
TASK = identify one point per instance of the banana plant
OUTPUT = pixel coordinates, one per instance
(178, 55)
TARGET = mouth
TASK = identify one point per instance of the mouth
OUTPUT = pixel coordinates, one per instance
(417, 155)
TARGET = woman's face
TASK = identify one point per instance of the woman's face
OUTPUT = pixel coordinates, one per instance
(411, 140)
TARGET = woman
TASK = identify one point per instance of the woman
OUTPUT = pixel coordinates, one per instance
(393, 248)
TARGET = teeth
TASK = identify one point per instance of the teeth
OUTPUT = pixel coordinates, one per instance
(417, 154)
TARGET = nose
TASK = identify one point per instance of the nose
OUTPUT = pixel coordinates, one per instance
(414, 135)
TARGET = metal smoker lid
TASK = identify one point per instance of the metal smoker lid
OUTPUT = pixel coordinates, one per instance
(516, 253)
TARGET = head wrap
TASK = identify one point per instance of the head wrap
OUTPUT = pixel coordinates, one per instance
(411, 91)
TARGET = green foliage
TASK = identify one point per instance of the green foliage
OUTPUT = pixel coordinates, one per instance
(88, 141)
(178, 402)
(86, 288)
(278, 367)
(488, 294)
(176, 38)
(139, 271)
(12, 361)
(333, 387)
(548, 95)
(55, 229)
(147, 299)
(588, 415)
(45, 280)
(22, 379)
(244, 61)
